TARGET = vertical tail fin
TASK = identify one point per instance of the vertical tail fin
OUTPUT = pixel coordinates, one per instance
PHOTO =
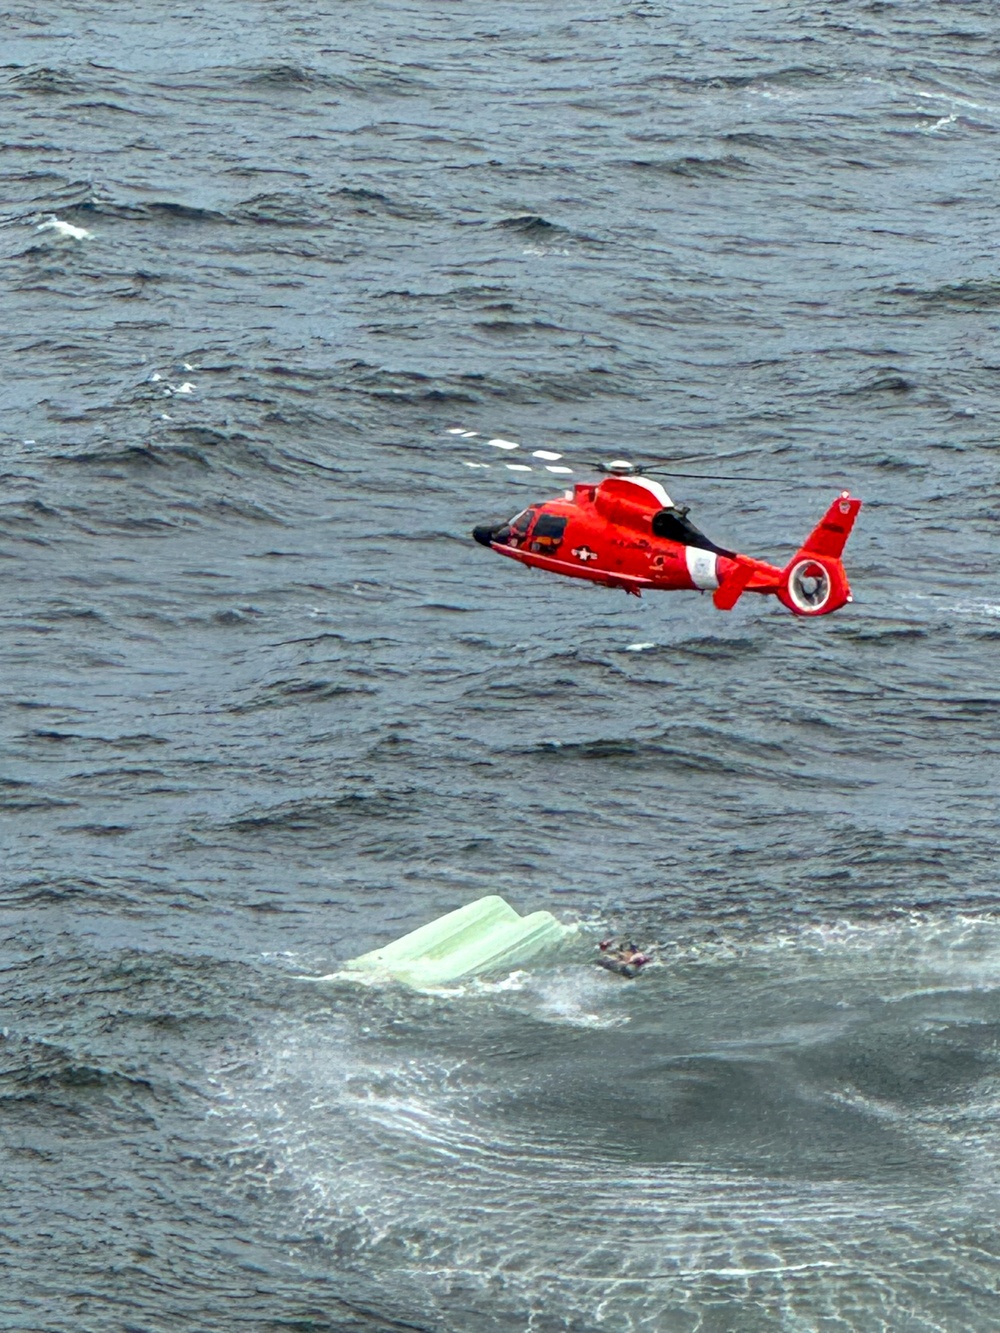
(830, 535)
(814, 583)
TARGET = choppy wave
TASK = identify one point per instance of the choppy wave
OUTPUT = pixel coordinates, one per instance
(755, 1157)
(266, 700)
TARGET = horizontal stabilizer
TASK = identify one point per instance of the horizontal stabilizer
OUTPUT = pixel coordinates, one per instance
(731, 588)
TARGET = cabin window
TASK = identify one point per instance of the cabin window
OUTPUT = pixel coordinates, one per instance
(547, 534)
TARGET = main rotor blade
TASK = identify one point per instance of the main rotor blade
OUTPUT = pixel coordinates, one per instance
(548, 459)
(797, 482)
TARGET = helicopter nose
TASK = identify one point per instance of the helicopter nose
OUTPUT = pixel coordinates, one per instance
(488, 533)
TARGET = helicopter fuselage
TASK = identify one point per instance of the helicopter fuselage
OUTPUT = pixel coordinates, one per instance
(614, 533)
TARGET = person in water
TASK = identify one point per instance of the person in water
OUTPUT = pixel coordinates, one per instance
(625, 959)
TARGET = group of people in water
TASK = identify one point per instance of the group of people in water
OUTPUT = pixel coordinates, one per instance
(622, 957)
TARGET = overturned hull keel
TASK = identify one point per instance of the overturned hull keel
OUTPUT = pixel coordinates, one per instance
(487, 936)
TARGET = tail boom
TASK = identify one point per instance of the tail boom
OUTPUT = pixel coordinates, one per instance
(813, 583)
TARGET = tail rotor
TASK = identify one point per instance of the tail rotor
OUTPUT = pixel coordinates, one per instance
(814, 583)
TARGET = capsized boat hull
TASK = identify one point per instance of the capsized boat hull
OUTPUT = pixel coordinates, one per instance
(486, 936)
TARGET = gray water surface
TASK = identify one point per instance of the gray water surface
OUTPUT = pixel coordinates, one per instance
(267, 705)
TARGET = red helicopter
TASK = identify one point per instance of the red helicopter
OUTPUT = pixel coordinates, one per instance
(626, 532)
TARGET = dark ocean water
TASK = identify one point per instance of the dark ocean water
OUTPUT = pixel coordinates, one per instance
(266, 705)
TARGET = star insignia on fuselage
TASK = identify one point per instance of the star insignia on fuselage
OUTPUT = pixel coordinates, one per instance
(584, 553)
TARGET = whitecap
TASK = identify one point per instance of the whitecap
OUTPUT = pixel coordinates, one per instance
(65, 230)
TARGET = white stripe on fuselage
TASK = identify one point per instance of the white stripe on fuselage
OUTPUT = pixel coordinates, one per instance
(701, 567)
